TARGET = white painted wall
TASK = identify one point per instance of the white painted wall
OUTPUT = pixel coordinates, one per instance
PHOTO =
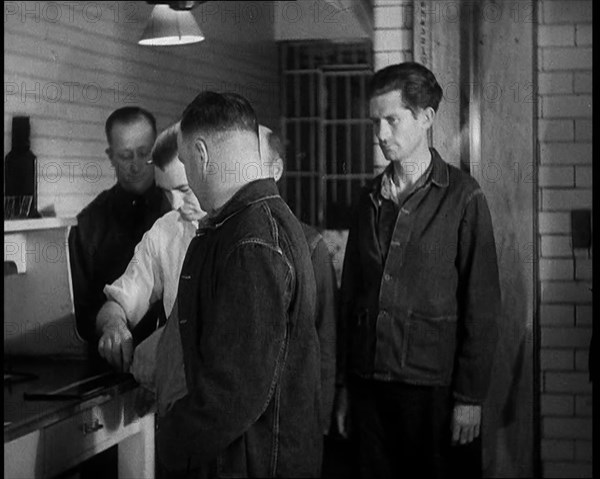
(68, 66)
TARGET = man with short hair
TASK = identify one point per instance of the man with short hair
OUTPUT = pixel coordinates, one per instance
(109, 228)
(420, 297)
(245, 313)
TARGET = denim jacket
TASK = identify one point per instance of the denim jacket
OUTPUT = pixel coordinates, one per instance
(425, 314)
(246, 305)
(325, 317)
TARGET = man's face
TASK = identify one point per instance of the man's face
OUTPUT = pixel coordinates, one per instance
(129, 150)
(173, 181)
(399, 133)
(194, 167)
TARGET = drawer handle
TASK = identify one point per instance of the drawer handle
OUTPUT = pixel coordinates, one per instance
(90, 427)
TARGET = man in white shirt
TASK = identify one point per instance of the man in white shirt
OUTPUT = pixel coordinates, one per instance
(153, 273)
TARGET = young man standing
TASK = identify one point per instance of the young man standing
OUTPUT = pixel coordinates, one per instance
(420, 297)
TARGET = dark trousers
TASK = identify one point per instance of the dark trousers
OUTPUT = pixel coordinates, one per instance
(403, 430)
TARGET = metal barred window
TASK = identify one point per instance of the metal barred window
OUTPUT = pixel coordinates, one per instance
(326, 128)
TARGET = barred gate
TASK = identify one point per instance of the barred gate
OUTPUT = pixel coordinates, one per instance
(326, 128)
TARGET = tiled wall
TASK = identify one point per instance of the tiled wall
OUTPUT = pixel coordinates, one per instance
(565, 183)
(69, 65)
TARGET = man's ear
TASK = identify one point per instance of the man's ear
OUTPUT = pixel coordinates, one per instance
(109, 153)
(427, 117)
(277, 169)
(201, 151)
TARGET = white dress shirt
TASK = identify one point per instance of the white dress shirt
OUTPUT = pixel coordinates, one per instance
(153, 272)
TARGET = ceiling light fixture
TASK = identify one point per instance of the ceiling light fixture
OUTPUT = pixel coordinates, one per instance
(172, 23)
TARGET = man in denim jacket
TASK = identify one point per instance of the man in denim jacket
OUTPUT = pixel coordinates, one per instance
(245, 308)
(420, 297)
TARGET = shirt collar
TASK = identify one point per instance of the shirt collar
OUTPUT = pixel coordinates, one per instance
(389, 190)
(127, 197)
(437, 174)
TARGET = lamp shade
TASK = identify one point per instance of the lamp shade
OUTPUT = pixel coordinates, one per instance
(171, 27)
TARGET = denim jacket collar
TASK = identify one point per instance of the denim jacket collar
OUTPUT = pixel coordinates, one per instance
(247, 195)
(439, 173)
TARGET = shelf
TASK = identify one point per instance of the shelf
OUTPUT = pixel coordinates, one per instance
(16, 233)
(13, 226)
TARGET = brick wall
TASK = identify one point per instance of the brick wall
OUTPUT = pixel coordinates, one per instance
(565, 183)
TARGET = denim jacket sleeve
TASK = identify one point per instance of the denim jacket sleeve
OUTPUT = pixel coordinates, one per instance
(478, 301)
(326, 325)
(239, 355)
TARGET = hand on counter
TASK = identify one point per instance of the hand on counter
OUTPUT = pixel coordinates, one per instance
(116, 342)
(116, 345)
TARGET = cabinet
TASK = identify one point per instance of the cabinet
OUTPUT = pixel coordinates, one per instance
(57, 447)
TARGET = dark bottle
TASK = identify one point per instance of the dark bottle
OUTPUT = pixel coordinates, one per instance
(20, 167)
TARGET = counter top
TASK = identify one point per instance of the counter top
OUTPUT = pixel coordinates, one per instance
(24, 416)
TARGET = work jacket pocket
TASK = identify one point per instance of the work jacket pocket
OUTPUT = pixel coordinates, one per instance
(233, 461)
(430, 346)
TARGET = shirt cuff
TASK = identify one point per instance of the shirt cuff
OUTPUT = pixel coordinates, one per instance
(116, 294)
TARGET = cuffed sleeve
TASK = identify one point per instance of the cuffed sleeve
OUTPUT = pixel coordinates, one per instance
(141, 284)
(478, 301)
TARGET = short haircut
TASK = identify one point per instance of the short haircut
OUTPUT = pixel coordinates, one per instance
(128, 114)
(216, 113)
(416, 83)
(165, 147)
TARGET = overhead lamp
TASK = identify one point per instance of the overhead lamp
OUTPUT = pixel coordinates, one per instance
(171, 23)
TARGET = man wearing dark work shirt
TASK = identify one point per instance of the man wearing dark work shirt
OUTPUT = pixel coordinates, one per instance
(109, 228)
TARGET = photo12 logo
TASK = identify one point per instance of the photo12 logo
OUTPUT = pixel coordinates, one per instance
(71, 12)
(70, 92)
(519, 11)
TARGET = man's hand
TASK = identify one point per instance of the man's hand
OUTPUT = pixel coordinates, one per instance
(341, 411)
(143, 367)
(466, 422)
(116, 345)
